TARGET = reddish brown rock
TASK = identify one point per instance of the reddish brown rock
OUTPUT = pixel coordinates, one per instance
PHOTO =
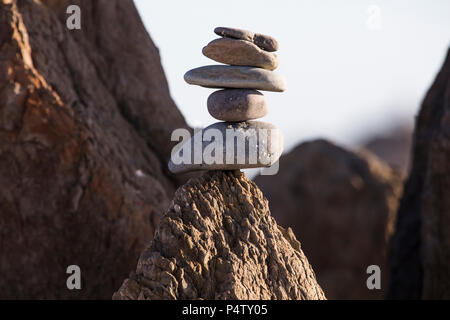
(419, 257)
(240, 53)
(218, 241)
(85, 116)
(341, 206)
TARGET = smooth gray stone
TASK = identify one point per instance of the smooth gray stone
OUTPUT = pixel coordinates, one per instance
(261, 145)
(267, 43)
(237, 105)
(219, 76)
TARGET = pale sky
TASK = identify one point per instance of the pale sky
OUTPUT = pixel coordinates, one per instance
(352, 67)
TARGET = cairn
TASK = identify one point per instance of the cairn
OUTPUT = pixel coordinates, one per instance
(238, 142)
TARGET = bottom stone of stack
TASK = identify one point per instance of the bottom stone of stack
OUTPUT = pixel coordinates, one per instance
(228, 146)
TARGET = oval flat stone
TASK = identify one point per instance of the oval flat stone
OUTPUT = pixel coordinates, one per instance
(237, 105)
(267, 43)
(240, 53)
(218, 76)
(229, 146)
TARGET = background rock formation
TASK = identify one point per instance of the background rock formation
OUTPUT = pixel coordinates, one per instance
(394, 147)
(85, 116)
(218, 241)
(342, 207)
(420, 253)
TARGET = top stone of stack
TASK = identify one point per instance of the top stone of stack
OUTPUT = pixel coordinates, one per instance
(240, 53)
(249, 64)
(266, 43)
(239, 47)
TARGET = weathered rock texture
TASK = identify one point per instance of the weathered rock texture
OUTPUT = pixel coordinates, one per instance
(85, 116)
(342, 207)
(420, 253)
(218, 241)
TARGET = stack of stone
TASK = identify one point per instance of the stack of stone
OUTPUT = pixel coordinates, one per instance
(251, 62)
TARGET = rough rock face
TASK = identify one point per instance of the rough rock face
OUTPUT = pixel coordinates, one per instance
(342, 207)
(85, 116)
(420, 252)
(218, 241)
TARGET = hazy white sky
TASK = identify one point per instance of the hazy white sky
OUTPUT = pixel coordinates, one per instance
(352, 67)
